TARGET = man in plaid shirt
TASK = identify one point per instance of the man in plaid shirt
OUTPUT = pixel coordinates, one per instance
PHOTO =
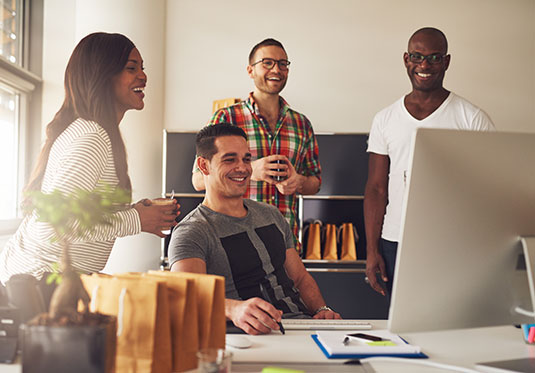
(281, 141)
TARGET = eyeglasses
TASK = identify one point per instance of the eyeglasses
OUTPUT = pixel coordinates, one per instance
(432, 58)
(269, 63)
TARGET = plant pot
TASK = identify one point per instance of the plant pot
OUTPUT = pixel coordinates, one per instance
(72, 348)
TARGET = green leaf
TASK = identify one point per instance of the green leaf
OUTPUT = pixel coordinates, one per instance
(54, 277)
(78, 214)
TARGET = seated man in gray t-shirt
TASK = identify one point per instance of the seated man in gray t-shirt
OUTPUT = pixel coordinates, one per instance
(248, 242)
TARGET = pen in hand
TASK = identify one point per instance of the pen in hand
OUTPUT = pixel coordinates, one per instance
(266, 296)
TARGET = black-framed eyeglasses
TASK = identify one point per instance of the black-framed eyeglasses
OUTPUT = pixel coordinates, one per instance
(432, 58)
(269, 63)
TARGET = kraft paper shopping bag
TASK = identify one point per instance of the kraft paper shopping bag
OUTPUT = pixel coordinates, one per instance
(313, 249)
(184, 319)
(330, 247)
(211, 308)
(349, 238)
(143, 325)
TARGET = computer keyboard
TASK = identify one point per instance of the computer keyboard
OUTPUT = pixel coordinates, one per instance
(322, 324)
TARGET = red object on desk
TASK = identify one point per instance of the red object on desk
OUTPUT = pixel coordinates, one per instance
(531, 335)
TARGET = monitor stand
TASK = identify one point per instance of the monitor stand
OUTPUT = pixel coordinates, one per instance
(524, 365)
(528, 246)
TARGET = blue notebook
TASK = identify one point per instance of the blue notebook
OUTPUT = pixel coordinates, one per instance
(330, 343)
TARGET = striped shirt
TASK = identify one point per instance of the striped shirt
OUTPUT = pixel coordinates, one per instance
(80, 158)
(293, 138)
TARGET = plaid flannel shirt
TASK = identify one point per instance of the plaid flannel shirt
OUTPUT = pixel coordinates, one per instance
(293, 137)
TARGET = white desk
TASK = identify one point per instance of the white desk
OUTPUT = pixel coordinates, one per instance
(455, 347)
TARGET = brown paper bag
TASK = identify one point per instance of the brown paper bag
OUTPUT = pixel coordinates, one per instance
(143, 325)
(313, 250)
(349, 237)
(184, 319)
(330, 248)
(211, 307)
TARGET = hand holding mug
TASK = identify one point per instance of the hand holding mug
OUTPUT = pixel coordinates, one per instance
(158, 215)
(270, 168)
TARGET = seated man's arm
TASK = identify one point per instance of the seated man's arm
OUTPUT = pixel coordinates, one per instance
(194, 265)
(254, 316)
(309, 290)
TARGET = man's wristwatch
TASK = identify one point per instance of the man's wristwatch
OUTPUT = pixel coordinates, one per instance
(323, 308)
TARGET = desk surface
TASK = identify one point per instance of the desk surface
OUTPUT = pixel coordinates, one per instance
(462, 348)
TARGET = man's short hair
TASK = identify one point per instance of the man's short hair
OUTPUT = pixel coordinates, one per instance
(205, 139)
(265, 43)
(431, 31)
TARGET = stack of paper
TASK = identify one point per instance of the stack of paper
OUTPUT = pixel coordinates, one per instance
(332, 345)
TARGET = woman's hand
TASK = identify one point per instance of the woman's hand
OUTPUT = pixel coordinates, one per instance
(157, 215)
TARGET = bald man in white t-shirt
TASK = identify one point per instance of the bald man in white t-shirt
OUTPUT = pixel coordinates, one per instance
(429, 105)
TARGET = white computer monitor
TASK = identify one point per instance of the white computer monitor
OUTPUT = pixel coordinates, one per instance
(470, 198)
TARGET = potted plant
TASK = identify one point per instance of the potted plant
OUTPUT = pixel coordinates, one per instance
(65, 339)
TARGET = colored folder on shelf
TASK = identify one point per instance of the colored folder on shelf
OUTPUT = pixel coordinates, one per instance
(331, 344)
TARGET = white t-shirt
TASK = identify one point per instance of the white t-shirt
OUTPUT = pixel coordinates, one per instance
(391, 134)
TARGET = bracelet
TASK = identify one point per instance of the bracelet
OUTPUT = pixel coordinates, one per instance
(322, 308)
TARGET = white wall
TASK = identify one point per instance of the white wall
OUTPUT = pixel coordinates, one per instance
(347, 56)
(346, 65)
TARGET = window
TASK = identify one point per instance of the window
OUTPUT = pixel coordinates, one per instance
(9, 151)
(20, 38)
(11, 27)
